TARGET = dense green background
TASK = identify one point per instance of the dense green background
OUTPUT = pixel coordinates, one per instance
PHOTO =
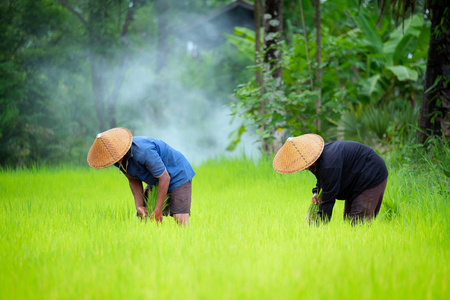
(60, 62)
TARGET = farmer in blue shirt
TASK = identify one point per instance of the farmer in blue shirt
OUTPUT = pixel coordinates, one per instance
(344, 170)
(149, 160)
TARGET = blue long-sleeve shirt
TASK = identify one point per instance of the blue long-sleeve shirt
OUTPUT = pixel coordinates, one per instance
(148, 158)
(344, 170)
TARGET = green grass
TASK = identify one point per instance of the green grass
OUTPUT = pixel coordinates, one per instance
(72, 233)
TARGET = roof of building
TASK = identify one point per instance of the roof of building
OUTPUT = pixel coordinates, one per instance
(208, 31)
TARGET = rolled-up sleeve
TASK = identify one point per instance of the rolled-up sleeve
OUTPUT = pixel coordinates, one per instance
(154, 163)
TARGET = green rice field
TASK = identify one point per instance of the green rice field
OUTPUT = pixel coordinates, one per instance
(71, 233)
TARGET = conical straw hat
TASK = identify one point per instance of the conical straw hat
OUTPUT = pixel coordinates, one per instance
(298, 153)
(109, 147)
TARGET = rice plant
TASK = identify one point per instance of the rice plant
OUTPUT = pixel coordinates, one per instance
(71, 233)
(151, 197)
(311, 215)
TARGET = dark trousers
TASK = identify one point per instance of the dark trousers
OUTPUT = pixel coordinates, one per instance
(366, 205)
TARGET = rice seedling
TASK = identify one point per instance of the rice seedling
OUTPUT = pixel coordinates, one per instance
(78, 238)
(311, 215)
(150, 198)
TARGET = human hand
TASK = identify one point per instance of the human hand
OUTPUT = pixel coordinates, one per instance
(315, 200)
(142, 211)
(157, 215)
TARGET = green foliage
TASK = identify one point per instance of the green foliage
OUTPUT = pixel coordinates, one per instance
(26, 126)
(266, 108)
(47, 112)
(393, 70)
(296, 108)
(244, 40)
(49, 93)
(365, 22)
(376, 124)
(363, 65)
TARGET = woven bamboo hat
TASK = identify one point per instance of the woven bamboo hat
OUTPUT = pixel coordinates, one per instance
(109, 147)
(298, 153)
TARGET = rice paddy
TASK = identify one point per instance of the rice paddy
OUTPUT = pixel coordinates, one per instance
(72, 233)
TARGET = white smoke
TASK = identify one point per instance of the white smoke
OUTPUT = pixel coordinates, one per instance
(186, 115)
(188, 119)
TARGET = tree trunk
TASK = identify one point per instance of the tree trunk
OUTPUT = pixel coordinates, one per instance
(318, 70)
(162, 7)
(96, 61)
(305, 35)
(123, 66)
(160, 98)
(112, 99)
(434, 115)
(273, 28)
(257, 16)
(98, 90)
(105, 106)
(257, 13)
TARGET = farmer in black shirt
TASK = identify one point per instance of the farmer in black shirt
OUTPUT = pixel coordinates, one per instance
(344, 170)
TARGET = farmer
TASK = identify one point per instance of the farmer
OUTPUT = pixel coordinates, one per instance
(149, 160)
(344, 170)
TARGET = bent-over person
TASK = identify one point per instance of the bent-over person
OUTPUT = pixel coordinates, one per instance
(344, 170)
(145, 159)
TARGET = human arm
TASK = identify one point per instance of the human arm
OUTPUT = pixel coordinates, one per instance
(330, 184)
(163, 186)
(153, 162)
(137, 191)
(326, 209)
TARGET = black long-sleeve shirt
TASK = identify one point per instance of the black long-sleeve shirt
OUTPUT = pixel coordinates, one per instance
(344, 170)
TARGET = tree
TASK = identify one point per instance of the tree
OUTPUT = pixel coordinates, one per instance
(162, 12)
(362, 66)
(26, 123)
(257, 15)
(273, 28)
(318, 69)
(106, 45)
(434, 116)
